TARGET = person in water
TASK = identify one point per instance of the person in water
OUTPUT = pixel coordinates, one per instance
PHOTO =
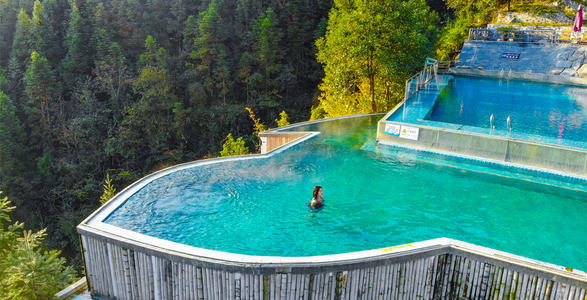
(317, 200)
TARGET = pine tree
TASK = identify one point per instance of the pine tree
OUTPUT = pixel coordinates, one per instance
(20, 55)
(80, 45)
(11, 142)
(41, 91)
(109, 190)
(8, 13)
(42, 34)
(27, 271)
(213, 70)
(268, 55)
(149, 122)
(56, 11)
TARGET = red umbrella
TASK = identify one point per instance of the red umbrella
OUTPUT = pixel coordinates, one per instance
(578, 19)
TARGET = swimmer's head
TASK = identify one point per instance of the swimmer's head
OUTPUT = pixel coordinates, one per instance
(318, 192)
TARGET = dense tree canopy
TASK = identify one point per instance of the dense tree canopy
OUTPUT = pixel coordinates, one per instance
(93, 87)
(369, 48)
(95, 90)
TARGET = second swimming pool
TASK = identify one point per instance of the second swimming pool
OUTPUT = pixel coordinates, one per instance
(539, 112)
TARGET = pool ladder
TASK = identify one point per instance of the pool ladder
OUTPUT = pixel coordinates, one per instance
(508, 123)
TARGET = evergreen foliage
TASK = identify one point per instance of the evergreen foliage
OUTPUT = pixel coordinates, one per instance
(233, 147)
(282, 121)
(109, 190)
(27, 271)
(95, 87)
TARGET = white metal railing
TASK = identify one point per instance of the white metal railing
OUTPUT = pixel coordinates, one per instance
(422, 78)
(522, 35)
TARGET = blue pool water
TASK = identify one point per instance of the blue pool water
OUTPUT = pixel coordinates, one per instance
(375, 197)
(540, 112)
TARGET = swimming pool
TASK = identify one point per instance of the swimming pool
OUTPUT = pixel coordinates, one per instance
(539, 112)
(375, 197)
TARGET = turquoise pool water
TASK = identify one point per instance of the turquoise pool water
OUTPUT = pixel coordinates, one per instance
(541, 112)
(375, 197)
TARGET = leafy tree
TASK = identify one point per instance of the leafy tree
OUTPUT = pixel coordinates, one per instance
(370, 47)
(282, 121)
(477, 12)
(467, 14)
(27, 271)
(233, 147)
(452, 37)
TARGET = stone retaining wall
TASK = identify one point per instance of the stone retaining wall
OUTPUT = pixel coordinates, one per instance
(566, 60)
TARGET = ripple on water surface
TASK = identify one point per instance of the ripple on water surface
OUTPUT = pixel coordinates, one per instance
(374, 199)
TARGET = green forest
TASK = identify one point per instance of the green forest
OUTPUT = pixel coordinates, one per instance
(95, 94)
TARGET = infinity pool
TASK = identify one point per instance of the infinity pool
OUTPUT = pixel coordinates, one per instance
(375, 197)
(540, 112)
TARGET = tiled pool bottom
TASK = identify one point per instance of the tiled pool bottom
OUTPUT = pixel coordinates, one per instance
(539, 112)
(464, 133)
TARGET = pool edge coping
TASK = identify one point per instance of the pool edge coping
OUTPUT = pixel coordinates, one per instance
(97, 228)
(275, 264)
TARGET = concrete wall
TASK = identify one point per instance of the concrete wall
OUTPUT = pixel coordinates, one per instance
(494, 148)
(564, 60)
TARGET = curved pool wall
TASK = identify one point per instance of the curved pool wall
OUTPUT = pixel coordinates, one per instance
(564, 157)
(124, 264)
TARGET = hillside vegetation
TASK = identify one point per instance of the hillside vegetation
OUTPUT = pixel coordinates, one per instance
(95, 94)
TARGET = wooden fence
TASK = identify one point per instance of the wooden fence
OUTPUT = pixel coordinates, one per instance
(437, 269)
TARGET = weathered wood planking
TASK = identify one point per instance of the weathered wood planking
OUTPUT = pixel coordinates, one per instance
(115, 271)
(274, 140)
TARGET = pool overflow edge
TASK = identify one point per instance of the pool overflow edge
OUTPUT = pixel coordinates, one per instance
(114, 263)
(110, 273)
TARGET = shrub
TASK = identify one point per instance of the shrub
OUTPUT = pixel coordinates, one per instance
(233, 147)
(282, 121)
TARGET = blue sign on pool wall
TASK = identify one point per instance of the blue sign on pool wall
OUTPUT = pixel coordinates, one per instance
(392, 129)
